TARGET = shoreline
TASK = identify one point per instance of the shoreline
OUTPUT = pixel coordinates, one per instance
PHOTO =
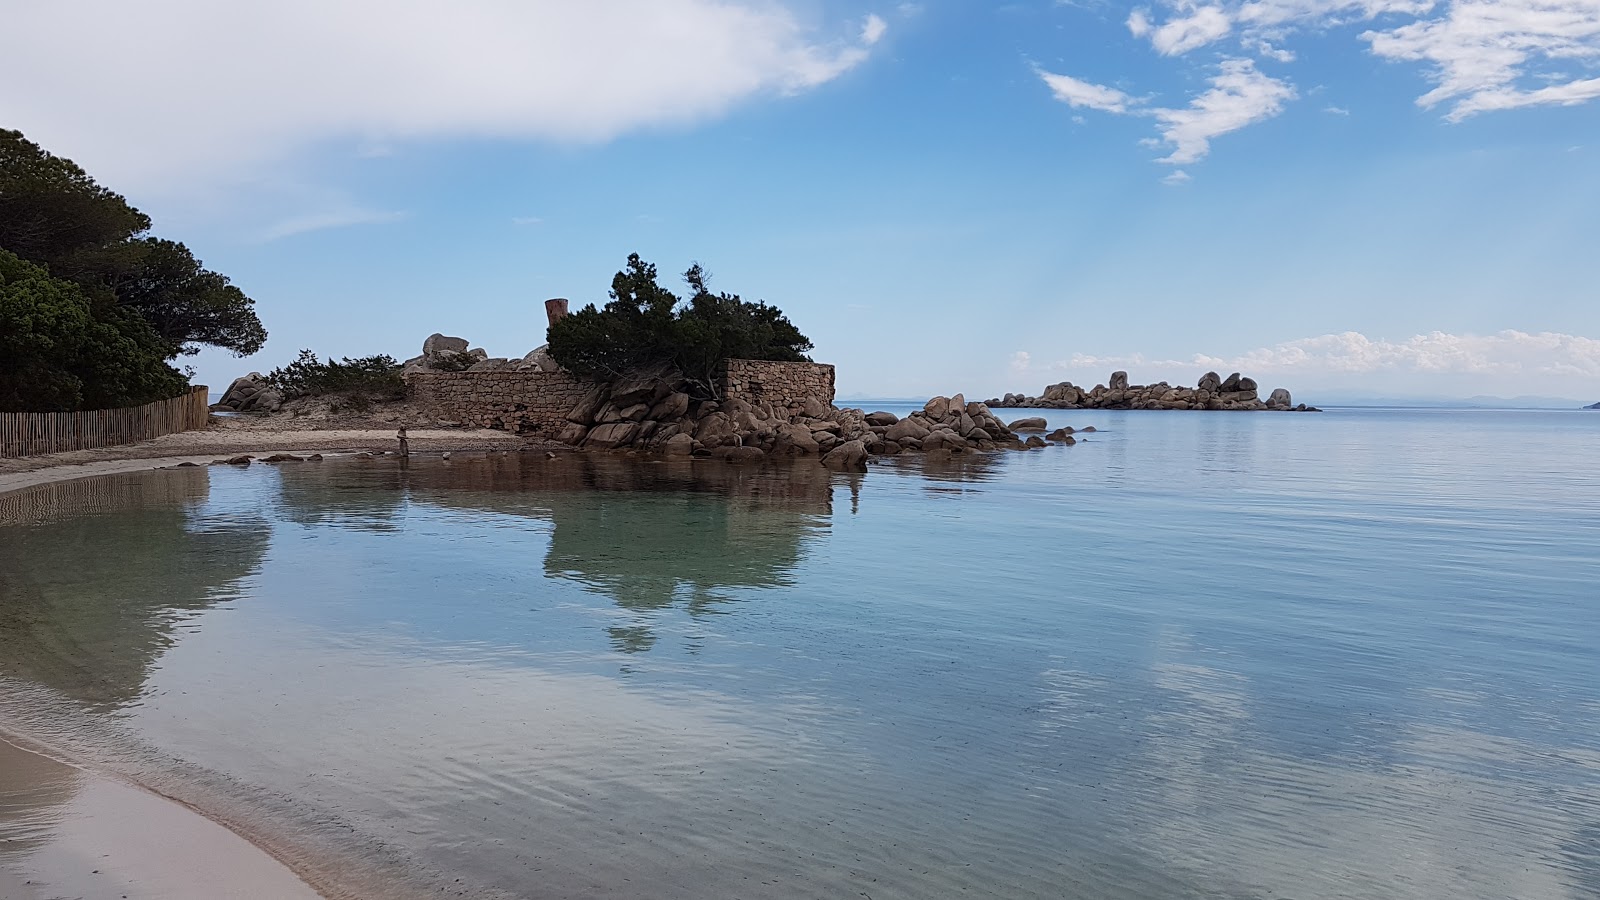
(207, 445)
(72, 831)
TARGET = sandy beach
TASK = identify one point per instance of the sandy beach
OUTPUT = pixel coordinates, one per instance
(67, 832)
(234, 436)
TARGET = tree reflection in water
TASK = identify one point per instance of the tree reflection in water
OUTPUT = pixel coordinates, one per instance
(97, 574)
(648, 534)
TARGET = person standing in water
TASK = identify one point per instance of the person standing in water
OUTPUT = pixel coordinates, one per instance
(405, 446)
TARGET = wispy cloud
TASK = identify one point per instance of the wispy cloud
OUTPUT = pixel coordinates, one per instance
(526, 220)
(1084, 95)
(337, 218)
(1177, 177)
(873, 30)
(1506, 353)
(1239, 94)
(1480, 55)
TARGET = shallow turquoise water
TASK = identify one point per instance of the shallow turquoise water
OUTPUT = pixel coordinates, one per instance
(1352, 654)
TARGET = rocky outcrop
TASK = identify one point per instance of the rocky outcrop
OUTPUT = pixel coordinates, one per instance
(1213, 392)
(656, 414)
(250, 393)
(1595, 406)
(442, 353)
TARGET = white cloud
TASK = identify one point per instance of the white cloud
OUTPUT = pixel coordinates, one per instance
(1021, 361)
(336, 218)
(1504, 354)
(1481, 50)
(1480, 55)
(1200, 27)
(873, 31)
(1085, 95)
(526, 220)
(1336, 111)
(1177, 177)
(1239, 95)
(226, 91)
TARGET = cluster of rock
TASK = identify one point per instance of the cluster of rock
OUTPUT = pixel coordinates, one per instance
(442, 353)
(655, 414)
(250, 393)
(1213, 392)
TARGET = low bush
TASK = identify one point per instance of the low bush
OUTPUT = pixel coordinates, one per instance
(362, 381)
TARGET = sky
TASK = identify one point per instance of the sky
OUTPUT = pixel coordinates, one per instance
(1379, 197)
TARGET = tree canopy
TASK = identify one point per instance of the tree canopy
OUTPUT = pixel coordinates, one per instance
(646, 326)
(61, 350)
(150, 292)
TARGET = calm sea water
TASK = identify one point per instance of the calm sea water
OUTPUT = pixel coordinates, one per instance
(1351, 655)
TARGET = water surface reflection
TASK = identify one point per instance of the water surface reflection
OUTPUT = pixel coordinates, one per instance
(1323, 663)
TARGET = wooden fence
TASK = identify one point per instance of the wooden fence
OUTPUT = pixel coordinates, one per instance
(30, 434)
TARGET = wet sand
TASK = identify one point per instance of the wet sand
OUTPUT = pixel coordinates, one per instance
(65, 832)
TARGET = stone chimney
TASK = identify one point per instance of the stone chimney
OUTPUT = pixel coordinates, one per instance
(555, 310)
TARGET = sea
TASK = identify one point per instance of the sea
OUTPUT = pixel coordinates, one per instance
(1350, 654)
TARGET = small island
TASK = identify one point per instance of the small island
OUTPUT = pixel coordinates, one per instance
(1214, 392)
(1593, 406)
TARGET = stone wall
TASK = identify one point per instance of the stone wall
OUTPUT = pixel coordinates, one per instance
(778, 383)
(537, 403)
(520, 402)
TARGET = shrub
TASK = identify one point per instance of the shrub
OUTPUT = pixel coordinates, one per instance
(369, 378)
(646, 326)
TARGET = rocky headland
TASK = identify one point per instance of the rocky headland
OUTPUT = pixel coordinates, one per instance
(1214, 392)
(1593, 406)
(654, 414)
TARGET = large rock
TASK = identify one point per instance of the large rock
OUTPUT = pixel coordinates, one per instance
(671, 408)
(590, 405)
(678, 445)
(1119, 381)
(251, 393)
(848, 455)
(538, 360)
(881, 418)
(605, 437)
(1032, 423)
(438, 343)
(905, 428)
(1280, 399)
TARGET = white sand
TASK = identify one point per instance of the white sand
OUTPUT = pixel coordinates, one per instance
(65, 832)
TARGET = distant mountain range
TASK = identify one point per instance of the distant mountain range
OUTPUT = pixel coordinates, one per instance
(1595, 406)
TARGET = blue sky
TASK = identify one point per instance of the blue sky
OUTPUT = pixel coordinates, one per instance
(1385, 197)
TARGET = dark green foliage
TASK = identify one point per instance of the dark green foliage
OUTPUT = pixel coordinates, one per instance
(62, 350)
(53, 214)
(187, 304)
(359, 381)
(646, 326)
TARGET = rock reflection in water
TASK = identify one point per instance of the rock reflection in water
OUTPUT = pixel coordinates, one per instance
(647, 534)
(89, 623)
